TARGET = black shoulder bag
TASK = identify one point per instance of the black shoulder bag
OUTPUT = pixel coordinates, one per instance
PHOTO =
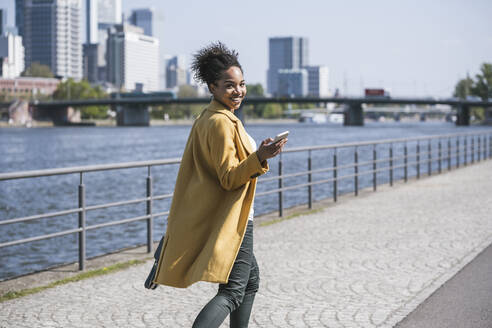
(149, 282)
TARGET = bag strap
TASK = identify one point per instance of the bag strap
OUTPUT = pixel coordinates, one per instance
(158, 251)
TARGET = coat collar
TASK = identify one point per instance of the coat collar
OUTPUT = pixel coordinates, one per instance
(217, 107)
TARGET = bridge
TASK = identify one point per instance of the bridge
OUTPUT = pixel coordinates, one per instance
(397, 112)
(353, 112)
(374, 112)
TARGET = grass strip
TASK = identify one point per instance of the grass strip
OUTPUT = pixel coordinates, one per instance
(116, 267)
(81, 276)
(267, 223)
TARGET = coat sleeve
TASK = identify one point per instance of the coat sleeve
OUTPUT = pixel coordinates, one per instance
(231, 172)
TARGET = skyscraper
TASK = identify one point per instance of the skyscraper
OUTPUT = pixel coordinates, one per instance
(11, 55)
(318, 79)
(90, 62)
(3, 20)
(19, 17)
(292, 82)
(285, 53)
(91, 21)
(143, 18)
(91, 47)
(109, 11)
(176, 72)
(132, 59)
(52, 36)
(108, 14)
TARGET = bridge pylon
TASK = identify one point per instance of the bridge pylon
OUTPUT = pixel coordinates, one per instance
(463, 116)
(132, 115)
(353, 115)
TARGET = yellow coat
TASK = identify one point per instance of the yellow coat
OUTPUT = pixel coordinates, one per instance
(214, 191)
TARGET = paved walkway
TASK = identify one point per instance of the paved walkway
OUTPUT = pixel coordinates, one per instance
(364, 262)
(464, 301)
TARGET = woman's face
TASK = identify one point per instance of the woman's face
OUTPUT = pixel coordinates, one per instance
(230, 90)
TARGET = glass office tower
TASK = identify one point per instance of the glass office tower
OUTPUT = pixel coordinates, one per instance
(285, 53)
(52, 36)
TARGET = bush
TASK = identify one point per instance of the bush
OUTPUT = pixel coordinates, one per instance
(71, 90)
(272, 111)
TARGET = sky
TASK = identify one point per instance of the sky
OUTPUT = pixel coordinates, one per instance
(410, 47)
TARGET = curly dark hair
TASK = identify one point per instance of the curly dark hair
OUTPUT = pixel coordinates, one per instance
(210, 61)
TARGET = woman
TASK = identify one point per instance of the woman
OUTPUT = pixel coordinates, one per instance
(209, 234)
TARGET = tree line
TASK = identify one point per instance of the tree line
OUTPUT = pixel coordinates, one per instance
(479, 87)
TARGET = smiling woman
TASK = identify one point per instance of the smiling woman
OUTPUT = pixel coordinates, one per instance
(219, 68)
(230, 89)
(209, 233)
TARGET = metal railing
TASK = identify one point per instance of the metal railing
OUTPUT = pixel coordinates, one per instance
(352, 166)
(82, 208)
(462, 155)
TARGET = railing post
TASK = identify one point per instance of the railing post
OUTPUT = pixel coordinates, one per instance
(465, 159)
(479, 148)
(458, 152)
(439, 165)
(484, 147)
(405, 159)
(310, 188)
(280, 186)
(449, 153)
(335, 187)
(374, 167)
(150, 220)
(391, 164)
(429, 158)
(82, 223)
(418, 159)
(473, 149)
(356, 172)
(490, 146)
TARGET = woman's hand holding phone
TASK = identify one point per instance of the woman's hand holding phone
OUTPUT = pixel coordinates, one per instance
(280, 136)
(272, 147)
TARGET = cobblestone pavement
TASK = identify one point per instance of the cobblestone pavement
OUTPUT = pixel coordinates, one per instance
(364, 262)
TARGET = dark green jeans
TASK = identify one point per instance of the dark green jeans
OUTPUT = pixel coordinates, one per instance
(237, 296)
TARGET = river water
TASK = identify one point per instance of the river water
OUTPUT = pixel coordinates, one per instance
(44, 148)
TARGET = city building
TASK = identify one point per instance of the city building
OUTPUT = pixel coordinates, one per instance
(289, 73)
(132, 59)
(52, 36)
(176, 72)
(91, 47)
(108, 14)
(318, 81)
(101, 15)
(91, 16)
(292, 82)
(285, 53)
(143, 18)
(19, 17)
(11, 55)
(90, 62)
(28, 86)
(3, 20)
(109, 11)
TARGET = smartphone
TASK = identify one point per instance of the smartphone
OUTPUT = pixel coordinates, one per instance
(280, 136)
